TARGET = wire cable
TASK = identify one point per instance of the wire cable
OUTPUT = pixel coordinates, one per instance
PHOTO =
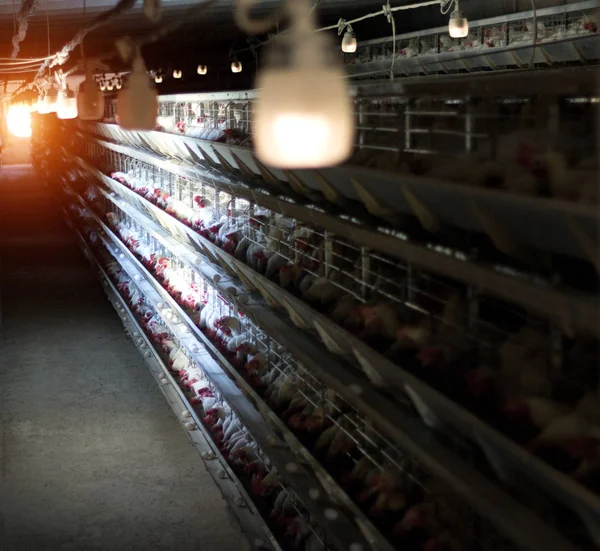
(387, 11)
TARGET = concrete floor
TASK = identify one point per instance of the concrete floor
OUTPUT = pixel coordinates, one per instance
(91, 456)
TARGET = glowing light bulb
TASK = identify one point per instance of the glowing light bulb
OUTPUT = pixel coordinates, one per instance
(158, 79)
(303, 113)
(202, 69)
(349, 43)
(176, 73)
(66, 105)
(90, 100)
(102, 85)
(236, 67)
(41, 106)
(458, 26)
(50, 100)
(119, 84)
(110, 86)
(137, 103)
(18, 121)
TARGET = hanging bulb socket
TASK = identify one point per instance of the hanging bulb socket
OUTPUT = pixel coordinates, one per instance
(202, 69)
(118, 83)
(90, 100)
(110, 85)
(66, 105)
(349, 43)
(102, 85)
(177, 73)
(137, 101)
(303, 114)
(458, 26)
(236, 66)
(158, 79)
(50, 100)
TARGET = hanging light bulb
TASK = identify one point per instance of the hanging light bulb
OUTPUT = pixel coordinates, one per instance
(202, 69)
(66, 105)
(50, 100)
(304, 115)
(41, 106)
(110, 85)
(458, 26)
(236, 66)
(349, 43)
(177, 73)
(119, 84)
(157, 79)
(90, 100)
(102, 85)
(137, 103)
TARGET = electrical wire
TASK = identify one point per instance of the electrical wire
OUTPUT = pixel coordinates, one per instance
(387, 9)
(535, 30)
(27, 10)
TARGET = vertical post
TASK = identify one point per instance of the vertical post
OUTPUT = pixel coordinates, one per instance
(469, 127)
(328, 256)
(407, 123)
(365, 265)
(361, 124)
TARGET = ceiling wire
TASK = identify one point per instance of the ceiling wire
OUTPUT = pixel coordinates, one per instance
(27, 10)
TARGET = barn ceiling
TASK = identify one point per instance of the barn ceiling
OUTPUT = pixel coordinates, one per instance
(209, 39)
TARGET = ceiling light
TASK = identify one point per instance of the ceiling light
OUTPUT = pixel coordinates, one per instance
(458, 26)
(202, 69)
(349, 43)
(110, 85)
(41, 107)
(137, 103)
(304, 115)
(157, 79)
(102, 85)
(66, 105)
(119, 84)
(176, 73)
(18, 121)
(236, 66)
(90, 100)
(50, 100)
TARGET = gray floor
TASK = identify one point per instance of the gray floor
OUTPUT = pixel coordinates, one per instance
(91, 456)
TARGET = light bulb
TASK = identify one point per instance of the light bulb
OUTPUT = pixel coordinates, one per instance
(66, 105)
(176, 73)
(50, 100)
(90, 100)
(236, 67)
(102, 85)
(158, 79)
(137, 103)
(110, 86)
(303, 113)
(349, 43)
(41, 107)
(458, 26)
(202, 69)
(119, 84)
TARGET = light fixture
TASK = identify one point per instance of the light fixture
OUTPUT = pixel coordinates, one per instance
(349, 43)
(18, 121)
(176, 73)
(110, 85)
(41, 106)
(458, 26)
(137, 103)
(90, 100)
(157, 79)
(118, 83)
(102, 85)
(50, 99)
(304, 115)
(66, 105)
(202, 69)
(236, 66)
